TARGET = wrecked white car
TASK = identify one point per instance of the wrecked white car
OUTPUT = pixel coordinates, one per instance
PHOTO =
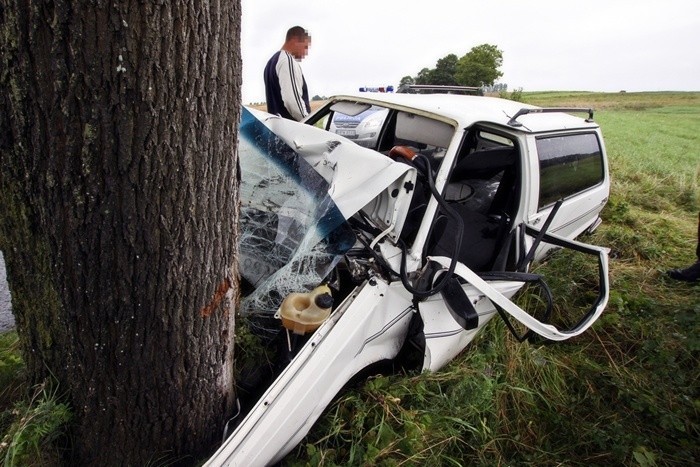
(353, 255)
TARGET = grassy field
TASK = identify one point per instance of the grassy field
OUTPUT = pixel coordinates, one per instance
(625, 392)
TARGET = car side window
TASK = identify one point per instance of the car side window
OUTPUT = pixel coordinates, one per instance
(569, 164)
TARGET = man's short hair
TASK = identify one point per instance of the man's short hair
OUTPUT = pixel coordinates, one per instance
(297, 32)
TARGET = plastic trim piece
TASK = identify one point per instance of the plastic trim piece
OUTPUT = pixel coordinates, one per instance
(524, 111)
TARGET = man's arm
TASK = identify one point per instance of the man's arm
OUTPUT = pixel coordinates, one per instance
(291, 84)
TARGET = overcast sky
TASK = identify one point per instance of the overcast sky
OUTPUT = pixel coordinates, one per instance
(586, 45)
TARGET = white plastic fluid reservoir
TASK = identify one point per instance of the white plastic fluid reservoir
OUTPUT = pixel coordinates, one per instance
(304, 312)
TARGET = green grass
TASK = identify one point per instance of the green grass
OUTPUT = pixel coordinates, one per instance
(626, 392)
(33, 421)
(36, 427)
(11, 369)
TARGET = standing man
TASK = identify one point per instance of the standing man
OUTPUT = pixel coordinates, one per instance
(285, 86)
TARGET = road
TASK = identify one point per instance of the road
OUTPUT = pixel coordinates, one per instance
(7, 321)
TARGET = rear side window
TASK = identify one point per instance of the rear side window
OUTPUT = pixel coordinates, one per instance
(569, 164)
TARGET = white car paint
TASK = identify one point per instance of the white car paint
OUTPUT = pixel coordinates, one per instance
(372, 322)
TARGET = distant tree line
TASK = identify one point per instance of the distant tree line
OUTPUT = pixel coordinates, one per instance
(479, 67)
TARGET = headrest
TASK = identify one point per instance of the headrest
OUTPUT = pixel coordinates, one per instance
(491, 160)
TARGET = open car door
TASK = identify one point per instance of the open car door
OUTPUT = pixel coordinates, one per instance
(484, 284)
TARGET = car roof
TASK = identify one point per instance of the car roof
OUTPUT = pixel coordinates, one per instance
(463, 111)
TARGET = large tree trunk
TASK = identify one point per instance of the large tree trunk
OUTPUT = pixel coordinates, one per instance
(118, 217)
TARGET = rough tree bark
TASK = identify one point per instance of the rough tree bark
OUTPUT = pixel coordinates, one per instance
(118, 215)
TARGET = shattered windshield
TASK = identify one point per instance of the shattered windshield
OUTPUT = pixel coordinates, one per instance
(292, 233)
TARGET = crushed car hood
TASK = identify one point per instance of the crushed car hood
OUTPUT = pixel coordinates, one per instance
(299, 185)
(355, 175)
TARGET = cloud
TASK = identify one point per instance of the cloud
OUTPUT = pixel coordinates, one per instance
(598, 45)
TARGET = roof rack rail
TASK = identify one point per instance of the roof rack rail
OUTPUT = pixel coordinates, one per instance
(513, 122)
(438, 89)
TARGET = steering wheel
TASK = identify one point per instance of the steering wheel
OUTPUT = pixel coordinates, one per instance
(402, 151)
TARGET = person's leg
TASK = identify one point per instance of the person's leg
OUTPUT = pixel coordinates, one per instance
(691, 273)
(697, 248)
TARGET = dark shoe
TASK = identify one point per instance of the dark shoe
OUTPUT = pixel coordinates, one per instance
(689, 274)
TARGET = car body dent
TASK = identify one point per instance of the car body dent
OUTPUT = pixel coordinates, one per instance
(368, 327)
(356, 175)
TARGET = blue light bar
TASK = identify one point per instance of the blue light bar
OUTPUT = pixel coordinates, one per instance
(377, 89)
